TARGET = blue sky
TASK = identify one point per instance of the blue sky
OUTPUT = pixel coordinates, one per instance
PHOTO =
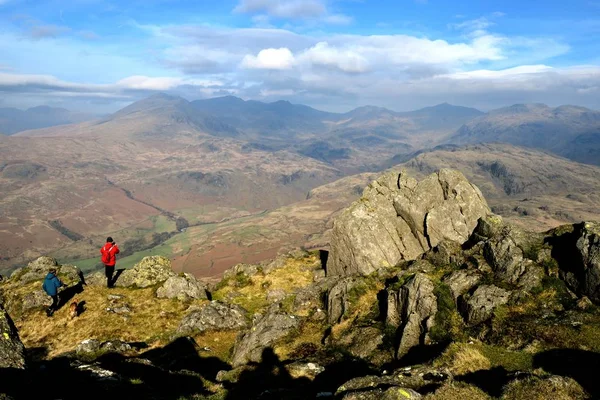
(100, 55)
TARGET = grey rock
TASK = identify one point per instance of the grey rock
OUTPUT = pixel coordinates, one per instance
(276, 295)
(312, 297)
(119, 309)
(11, 348)
(319, 275)
(414, 378)
(487, 227)
(480, 306)
(184, 287)
(148, 272)
(445, 253)
(412, 308)
(115, 346)
(96, 279)
(461, 281)
(505, 258)
(213, 316)
(37, 269)
(299, 369)
(88, 347)
(246, 269)
(115, 297)
(265, 332)
(70, 273)
(34, 300)
(399, 219)
(99, 373)
(365, 343)
(504, 253)
(338, 299)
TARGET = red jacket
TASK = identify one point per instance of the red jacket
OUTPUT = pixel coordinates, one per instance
(109, 252)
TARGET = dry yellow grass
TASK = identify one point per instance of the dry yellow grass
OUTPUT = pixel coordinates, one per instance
(310, 333)
(534, 388)
(462, 358)
(295, 274)
(458, 391)
(220, 343)
(151, 320)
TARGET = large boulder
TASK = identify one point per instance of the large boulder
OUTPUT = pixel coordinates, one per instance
(148, 272)
(36, 299)
(183, 288)
(399, 218)
(213, 316)
(38, 269)
(11, 347)
(479, 307)
(412, 309)
(265, 332)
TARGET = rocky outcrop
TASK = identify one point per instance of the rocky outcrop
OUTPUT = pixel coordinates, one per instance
(11, 349)
(412, 308)
(479, 307)
(265, 332)
(148, 272)
(577, 250)
(399, 218)
(184, 287)
(461, 281)
(213, 316)
(506, 253)
(338, 298)
(38, 269)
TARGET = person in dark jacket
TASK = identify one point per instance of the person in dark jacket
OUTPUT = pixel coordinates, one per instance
(109, 258)
(51, 286)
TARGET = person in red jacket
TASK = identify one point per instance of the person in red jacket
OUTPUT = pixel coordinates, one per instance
(109, 258)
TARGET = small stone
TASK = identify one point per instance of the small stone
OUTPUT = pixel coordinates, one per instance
(584, 303)
(88, 346)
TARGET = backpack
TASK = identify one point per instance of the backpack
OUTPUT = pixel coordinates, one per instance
(106, 255)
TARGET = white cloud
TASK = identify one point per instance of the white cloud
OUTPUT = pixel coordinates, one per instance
(148, 83)
(345, 60)
(281, 59)
(338, 19)
(509, 73)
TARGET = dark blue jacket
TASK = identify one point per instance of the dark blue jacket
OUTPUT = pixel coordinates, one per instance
(51, 284)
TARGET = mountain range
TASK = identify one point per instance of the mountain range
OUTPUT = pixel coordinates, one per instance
(13, 120)
(214, 182)
(570, 131)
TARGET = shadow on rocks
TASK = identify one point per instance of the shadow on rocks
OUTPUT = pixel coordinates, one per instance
(268, 379)
(491, 381)
(173, 372)
(581, 365)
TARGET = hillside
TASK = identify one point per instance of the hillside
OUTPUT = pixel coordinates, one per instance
(135, 190)
(572, 132)
(425, 294)
(527, 186)
(13, 120)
